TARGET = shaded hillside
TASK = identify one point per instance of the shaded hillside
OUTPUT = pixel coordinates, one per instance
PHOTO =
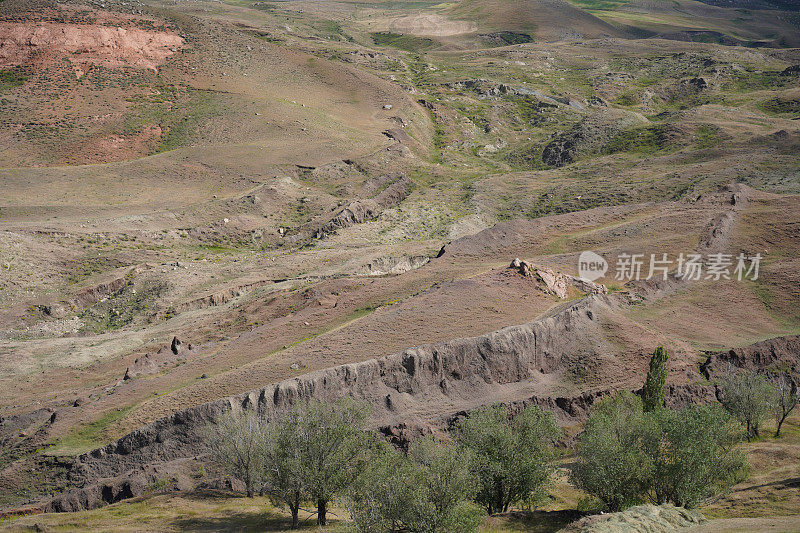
(546, 20)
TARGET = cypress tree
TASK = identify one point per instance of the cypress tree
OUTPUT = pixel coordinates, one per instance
(653, 392)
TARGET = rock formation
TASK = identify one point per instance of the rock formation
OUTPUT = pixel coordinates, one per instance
(556, 282)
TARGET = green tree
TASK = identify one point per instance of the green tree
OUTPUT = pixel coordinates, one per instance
(384, 493)
(331, 446)
(653, 391)
(425, 491)
(626, 456)
(749, 398)
(448, 484)
(694, 454)
(511, 459)
(786, 399)
(236, 442)
(283, 471)
(611, 461)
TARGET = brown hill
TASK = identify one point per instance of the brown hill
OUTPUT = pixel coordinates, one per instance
(547, 20)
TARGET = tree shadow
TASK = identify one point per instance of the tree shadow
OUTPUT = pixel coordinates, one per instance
(236, 521)
(540, 521)
(791, 483)
(251, 520)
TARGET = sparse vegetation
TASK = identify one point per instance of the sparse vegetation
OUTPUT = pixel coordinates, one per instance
(173, 183)
(781, 106)
(646, 140)
(12, 77)
(408, 43)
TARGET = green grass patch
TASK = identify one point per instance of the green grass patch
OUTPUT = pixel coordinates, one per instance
(88, 436)
(780, 106)
(12, 77)
(179, 112)
(707, 136)
(645, 140)
(628, 99)
(599, 5)
(409, 43)
(509, 37)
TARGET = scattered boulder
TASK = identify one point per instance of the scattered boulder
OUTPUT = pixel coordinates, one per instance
(177, 346)
(698, 84)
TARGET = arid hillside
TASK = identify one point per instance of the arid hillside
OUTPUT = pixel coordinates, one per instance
(213, 206)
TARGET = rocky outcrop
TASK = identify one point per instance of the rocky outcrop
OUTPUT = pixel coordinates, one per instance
(396, 187)
(383, 266)
(360, 211)
(219, 297)
(84, 45)
(556, 282)
(779, 354)
(414, 392)
(716, 237)
(151, 363)
(421, 386)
